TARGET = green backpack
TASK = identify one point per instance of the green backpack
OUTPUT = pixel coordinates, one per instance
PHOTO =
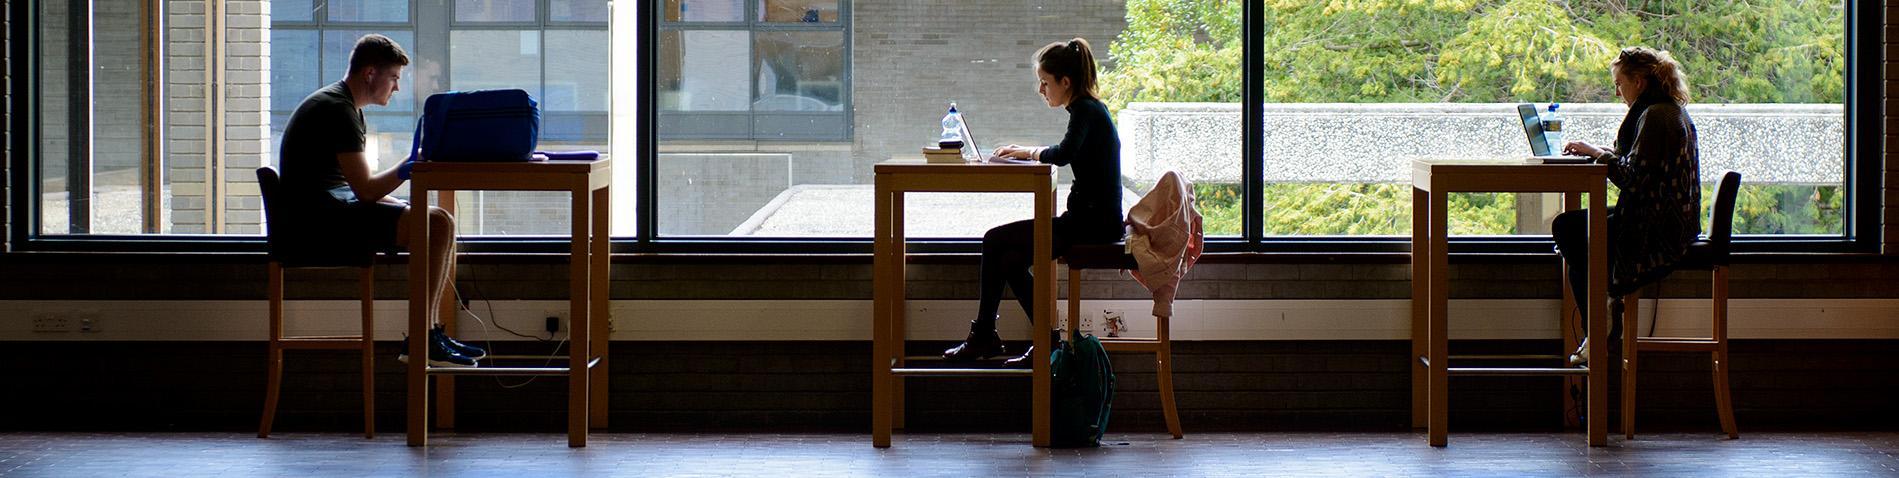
(1083, 392)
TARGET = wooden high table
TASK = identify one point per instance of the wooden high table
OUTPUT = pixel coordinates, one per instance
(1433, 181)
(586, 369)
(888, 364)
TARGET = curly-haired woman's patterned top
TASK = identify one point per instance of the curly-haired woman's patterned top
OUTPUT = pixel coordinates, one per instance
(1657, 164)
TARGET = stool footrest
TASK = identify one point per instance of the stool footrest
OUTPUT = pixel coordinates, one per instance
(962, 372)
(318, 343)
(521, 371)
(1676, 345)
(1508, 357)
(1509, 371)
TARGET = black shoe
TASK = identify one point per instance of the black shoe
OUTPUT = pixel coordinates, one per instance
(470, 351)
(977, 346)
(1027, 359)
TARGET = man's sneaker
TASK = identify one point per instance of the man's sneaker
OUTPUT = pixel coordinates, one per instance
(440, 356)
(440, 336)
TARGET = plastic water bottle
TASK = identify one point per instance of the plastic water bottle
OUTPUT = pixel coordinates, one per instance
(952, 127)
(1553, 129)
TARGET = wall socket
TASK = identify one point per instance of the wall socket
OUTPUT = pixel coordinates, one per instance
(51, 323)
(553, 324)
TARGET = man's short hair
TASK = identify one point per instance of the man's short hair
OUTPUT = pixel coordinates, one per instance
(376, 51)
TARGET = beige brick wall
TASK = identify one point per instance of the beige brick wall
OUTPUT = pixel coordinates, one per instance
(1889, 101)
(246, 140)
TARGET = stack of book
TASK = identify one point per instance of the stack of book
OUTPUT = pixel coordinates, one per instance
(946, 152)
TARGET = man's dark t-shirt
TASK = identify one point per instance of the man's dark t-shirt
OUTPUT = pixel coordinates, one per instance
(314, 193)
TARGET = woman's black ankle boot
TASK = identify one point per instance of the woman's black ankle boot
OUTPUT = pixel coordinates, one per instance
(981, 343)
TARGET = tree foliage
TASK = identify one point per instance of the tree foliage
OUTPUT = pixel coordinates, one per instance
(1318, 51)
(1482, 51)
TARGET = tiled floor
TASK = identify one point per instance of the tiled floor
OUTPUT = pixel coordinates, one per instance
(1201, 454)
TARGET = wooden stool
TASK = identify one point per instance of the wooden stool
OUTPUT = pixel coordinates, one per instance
(1115, 256)
(1710, 254)
(286, 257)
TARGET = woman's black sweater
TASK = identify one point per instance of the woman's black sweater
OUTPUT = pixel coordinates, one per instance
(1093, 149)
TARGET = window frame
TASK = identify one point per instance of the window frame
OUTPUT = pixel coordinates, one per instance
(1861, 235)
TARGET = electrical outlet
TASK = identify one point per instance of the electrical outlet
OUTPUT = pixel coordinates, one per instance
(553, 324)
(89, 322)
(1087, 322)
(49, 323)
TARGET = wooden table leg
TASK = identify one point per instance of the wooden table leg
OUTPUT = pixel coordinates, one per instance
(419, 303)
(1439, 319)
(1044, 272)
(1598, 317)
(580, 345)
(445, 384)
(899, 308)
(1571, 419)
(1420, 304)
(881, 279)
(600, 295)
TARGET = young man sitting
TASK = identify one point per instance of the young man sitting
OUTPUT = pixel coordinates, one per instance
(328, 186)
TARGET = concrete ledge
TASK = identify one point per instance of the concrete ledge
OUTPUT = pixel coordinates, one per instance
(1337, 142)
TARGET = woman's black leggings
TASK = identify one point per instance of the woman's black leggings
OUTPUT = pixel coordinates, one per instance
(1007, 252)
(1571, 231)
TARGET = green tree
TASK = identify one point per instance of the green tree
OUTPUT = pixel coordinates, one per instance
(1735, 51)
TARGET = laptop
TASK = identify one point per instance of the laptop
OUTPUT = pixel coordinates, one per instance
(1540, 148)
(972, 150)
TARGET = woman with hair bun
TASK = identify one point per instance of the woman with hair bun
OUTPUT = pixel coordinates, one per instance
(1092, 149)
(1656, 162)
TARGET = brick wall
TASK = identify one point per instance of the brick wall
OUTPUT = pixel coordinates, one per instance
(6, 167)
(1889, 102)
(245, 102)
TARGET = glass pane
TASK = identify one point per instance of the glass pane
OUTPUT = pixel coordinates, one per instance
(93, 161)
(488, 59)
(798, 11)
(704, 70)
(576, 71)
(1357, 90)
(494, 10)
(292, 11)
(293, 69)
(56, 126)
(369, 11)
(577, 10)
(800, 71)
(704, 10)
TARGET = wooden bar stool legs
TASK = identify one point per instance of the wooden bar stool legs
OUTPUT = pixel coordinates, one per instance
(1723, 395)
(366, 342)
(1716, 346)
(1161, 346)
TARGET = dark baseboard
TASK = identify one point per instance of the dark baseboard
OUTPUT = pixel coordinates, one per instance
(825, 386)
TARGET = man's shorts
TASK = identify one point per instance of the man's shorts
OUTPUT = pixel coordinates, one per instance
(365, 226)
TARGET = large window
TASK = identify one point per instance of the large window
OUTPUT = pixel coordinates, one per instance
(1295, 120)
(907, 62)
(1353, 91)
(222, 100)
